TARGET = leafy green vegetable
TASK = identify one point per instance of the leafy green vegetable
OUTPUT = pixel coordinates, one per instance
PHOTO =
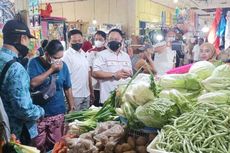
(157, 113)
(180, 81)
(216, 97)
(129, 114)
(139, 91)
(202, 69)
(219, 80)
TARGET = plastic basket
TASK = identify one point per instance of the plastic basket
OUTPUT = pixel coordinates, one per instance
(152, 145)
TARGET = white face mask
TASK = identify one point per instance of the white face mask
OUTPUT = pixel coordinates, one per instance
(99, 44)
(56, 61)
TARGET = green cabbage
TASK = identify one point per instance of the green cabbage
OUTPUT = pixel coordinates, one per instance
(189, 95)
(139, 92)
(217, 97)
(183, 103)
(157, 113)
(180, 81)
(219, 80)
(202, 69)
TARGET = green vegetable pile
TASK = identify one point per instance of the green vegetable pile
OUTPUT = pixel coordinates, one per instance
(203, 130)
(87, 120)
(219, 80)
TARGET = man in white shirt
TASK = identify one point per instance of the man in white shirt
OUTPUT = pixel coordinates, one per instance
(99, 43)
(164, 58)
(79, 70)
(111, 65)
(196, 50)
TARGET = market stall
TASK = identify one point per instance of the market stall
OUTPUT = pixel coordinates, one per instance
(188, 113)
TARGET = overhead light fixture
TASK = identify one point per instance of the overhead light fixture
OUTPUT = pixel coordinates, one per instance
(175, 1)
(159, 37)
(205, 29)
(94, 22)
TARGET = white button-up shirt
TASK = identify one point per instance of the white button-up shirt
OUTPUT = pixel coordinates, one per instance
(109, 61)
(79, 71)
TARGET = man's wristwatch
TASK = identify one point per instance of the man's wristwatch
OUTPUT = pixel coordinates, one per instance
(113, 76)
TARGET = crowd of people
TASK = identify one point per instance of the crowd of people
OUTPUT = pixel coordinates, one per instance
(37, 96)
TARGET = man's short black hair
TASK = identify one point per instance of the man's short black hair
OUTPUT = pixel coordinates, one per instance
(73, 32)
(116, 30)
(53, 47)
(101, 33)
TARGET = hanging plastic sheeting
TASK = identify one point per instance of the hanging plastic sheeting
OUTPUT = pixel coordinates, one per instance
(227, 31)
(212, 36)
(221, 30)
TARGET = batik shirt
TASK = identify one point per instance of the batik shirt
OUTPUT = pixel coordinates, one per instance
(16, 98)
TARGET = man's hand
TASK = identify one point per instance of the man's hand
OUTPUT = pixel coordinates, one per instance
(92, 99)
(56, 66)
(72, 108)
(122, 74)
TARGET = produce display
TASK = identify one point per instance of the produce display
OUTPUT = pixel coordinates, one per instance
(191, 112)
(101, 140)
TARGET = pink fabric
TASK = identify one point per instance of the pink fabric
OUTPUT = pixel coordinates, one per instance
(50, 131)
(180, 70)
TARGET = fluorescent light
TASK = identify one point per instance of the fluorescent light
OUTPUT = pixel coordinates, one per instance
(175, 1)
(205, 29)
(159, 37)
(94, 22)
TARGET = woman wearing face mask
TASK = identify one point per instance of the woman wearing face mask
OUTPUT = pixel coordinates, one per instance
(43, 71)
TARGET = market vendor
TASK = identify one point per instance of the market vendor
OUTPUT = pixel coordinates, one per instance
(111, 65)
(49, 72)
(146, 61)
(207, 53)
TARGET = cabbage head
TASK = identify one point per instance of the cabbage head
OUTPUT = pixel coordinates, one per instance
(157, 113)
(202, 69)
(138, 92)
(181, 101)
(216, 97)
(180, 81)
(219, 80)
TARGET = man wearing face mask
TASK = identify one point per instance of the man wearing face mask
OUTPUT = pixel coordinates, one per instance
(15, 93)
(99, 42)
(79, 69)
(111, 65)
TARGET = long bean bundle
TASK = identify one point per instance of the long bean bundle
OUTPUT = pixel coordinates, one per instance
(204, 130)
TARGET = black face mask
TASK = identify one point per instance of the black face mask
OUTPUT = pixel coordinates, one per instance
(114, 45)
(76, 46)
(22, 49)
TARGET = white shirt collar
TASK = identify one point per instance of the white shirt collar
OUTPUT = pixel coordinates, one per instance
(74, 51)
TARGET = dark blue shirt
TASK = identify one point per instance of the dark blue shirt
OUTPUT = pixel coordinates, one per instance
(56, 105)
